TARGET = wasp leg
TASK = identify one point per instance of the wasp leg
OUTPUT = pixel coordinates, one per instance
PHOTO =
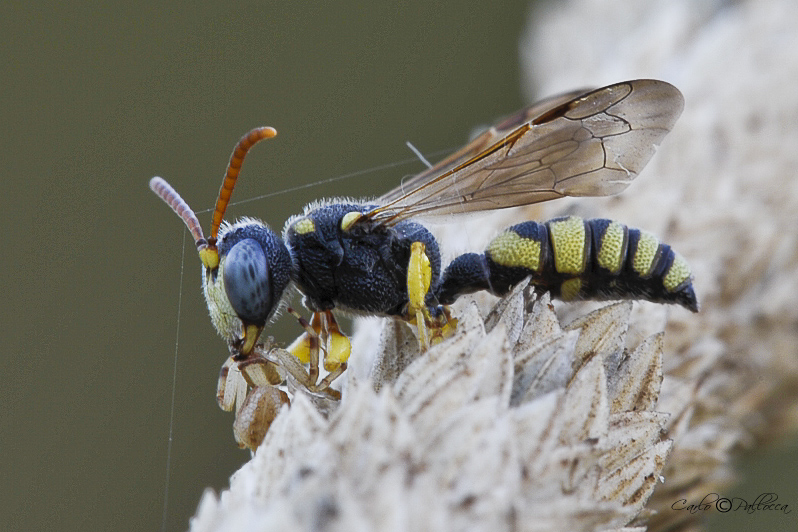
(322, 331)
(306, 347)
(443, 326)
(419, 278)
(324, 385)
(432, 329)
(337, 347)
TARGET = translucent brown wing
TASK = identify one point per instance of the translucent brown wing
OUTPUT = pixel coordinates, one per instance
(577, 144)
(482, 141)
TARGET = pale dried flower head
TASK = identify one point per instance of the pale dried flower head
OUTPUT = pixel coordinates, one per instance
(721, 190)
(515, 423)
(580, 419)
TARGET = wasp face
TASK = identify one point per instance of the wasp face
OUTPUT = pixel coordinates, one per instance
(247, 286)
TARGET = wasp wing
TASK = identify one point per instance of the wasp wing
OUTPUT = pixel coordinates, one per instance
(577, 144)
(481, 142)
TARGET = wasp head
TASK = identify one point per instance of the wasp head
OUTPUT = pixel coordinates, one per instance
(246, 267)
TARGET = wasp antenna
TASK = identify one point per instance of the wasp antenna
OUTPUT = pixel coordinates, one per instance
(230, 177)
(165, 191)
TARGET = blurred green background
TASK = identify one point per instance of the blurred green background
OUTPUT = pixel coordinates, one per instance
(97, 98)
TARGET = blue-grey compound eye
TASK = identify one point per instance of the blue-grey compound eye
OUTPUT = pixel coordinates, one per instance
(246, 281)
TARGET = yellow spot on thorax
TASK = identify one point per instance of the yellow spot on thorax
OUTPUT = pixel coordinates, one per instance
(303, 226)
(349, 219)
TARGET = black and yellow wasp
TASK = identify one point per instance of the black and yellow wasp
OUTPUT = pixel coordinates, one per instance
(375, 258)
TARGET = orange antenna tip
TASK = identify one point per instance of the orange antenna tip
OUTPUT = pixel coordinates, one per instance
(233, 169)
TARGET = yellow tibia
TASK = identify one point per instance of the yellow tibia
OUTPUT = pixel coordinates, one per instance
(419, 276)
(338, 350)
(301, 347)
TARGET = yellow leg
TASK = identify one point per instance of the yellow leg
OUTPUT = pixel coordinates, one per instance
(443, 328)
(322, 333)
(419, 278)
(306, 347)
(337, 345)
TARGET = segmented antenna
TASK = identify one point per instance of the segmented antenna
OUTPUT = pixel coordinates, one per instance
(170, 196)
(230, 177)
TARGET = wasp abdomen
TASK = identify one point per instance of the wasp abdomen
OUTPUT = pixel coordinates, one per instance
(574, 259)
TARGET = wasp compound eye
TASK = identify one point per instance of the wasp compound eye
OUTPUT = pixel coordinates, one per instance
(246, 281)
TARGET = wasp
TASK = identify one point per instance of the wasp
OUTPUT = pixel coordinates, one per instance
(376, 258)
